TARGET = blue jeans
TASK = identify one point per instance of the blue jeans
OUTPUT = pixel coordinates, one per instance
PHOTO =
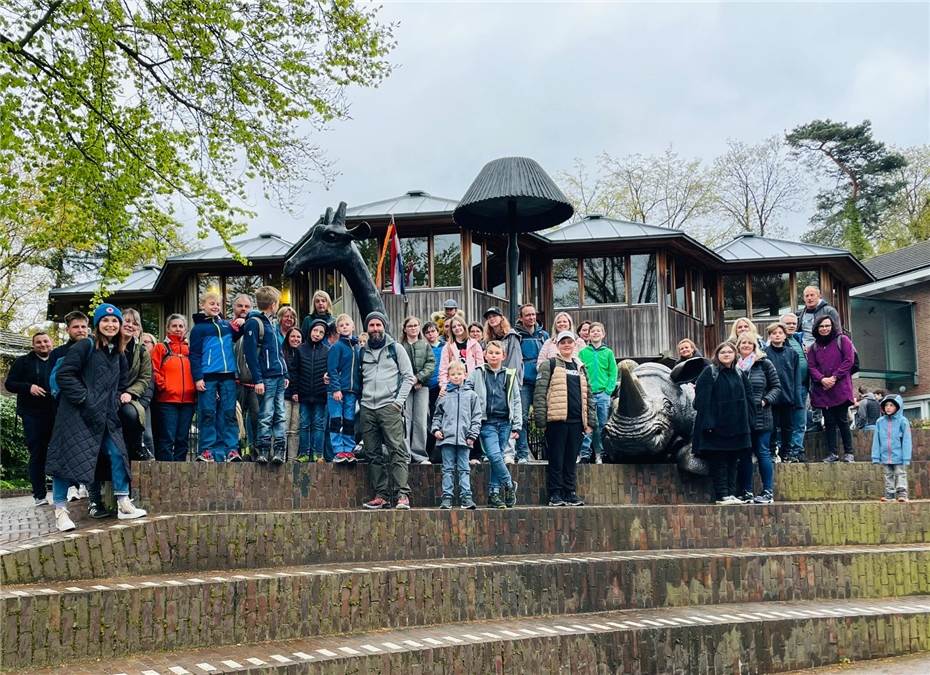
(216, 418)
(798, 426)
(760, 448)
(271, 412)
(526, 400)
(117, 471)
(342, 422)
(313, 430)
(595, 439)
(174, 425)
(455, 461)
(494, 439)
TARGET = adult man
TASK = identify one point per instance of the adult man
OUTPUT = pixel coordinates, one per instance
(798, 415)
(450, 308)
(387, 377)
(815, 307)
(76, 325)
(868, 410)
(532, 337)
(28, 379)
(245, 393)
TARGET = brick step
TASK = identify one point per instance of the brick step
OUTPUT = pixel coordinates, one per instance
(65, 622)
(733, 638)
(166, 487)
(193, 542)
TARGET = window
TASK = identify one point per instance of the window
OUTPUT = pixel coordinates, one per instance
(565, 283)
(770, 294)
(734, 296)
(236, 285)
(497, 266)
(415, 253)
(477, 267)
(447, 260)
(643, 279)
(804, 279)
(370, 250)
(604, 280)
(208, 282)
(681, 275)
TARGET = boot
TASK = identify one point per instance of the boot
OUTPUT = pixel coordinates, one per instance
(280, 452)
(495, 501)
(262, 454)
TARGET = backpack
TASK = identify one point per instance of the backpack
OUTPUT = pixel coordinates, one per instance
(242, 365)
(53, 376)
(855, 365)
(392, 352)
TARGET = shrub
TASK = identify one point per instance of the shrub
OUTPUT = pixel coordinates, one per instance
(14, 456)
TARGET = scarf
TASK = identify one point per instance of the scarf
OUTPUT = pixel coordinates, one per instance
(745, 362)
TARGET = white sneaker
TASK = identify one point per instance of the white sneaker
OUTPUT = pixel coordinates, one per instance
(508, 459)
(73, 494)
(82, 492)
(63, 521)
(126, 510)
(49, 497)
(424, 462)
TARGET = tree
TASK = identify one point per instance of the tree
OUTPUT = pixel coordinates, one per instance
(863, 171)
(125, 113)
(908, 220)
(755, 185)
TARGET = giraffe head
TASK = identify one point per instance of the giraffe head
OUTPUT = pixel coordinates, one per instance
(328, 244)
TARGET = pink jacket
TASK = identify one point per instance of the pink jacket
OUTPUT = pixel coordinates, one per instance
(474, 358)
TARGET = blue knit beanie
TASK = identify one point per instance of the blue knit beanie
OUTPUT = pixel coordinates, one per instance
(106, 309)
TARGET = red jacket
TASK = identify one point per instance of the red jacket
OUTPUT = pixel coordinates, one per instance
(171, 368)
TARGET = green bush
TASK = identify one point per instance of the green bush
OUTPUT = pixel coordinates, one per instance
(14, 456)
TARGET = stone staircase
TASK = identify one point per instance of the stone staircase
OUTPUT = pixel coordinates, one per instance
(249, 569)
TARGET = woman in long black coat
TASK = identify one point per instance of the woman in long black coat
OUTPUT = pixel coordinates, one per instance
(722, 432)
(91, 377)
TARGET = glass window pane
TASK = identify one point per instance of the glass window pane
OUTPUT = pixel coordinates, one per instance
(770, 296)
(565, 282)
(248, 284)
(497, 267)
(734, 296)
(208, 282)
(415, 253)
(643, 278)
(370, 250)
(681, 274)
(806, 278)
(477, 268)
(604, 281)
(447, 260)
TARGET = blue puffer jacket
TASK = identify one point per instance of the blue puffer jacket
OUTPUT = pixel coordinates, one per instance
(211, 348)
(344, 366)
(266, 360)
(891, 440)
(530, 344)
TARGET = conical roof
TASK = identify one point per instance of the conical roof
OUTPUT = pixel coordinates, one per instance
(512, 194)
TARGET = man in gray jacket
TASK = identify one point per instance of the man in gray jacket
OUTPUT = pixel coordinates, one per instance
(387, 377)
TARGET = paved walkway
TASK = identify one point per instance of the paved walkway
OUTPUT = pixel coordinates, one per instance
(916, 664)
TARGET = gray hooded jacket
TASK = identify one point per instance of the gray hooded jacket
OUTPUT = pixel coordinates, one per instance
(458, 415)
(387, 375)
(476, 377)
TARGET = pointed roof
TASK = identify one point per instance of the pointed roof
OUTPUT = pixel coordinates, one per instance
(412, 203)
(266, 245)
(750, 246)
(140, 280)
(907, 259)
(595, 226)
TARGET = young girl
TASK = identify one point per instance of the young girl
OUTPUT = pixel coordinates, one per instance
(456, 425)
(891, 447)
(497, 327)
(321, 308)
(292, 341)
(343, 366)
(416, 409)
(459, 348)
(584, 331)
(174, 391)
(562, 322)
(431, 334)
(309, 372)
(91, 378)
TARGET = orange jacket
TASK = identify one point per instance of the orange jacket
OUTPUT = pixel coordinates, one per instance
(171, 367)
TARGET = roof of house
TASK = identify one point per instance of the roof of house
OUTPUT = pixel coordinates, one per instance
(412, 203)
(907, 259)
(750, 246)
(13, 344)
(265, 245)
(142, 279)
(595, 226)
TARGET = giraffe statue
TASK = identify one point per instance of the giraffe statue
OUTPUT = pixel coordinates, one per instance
(329, 244)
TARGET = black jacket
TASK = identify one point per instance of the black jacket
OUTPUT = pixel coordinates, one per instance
(91, 381)
(763, 381)
(722, 399)
(306, 371)
(26, 371)
(787, 365)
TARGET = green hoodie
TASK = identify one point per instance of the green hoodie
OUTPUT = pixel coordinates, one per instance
(602, 368)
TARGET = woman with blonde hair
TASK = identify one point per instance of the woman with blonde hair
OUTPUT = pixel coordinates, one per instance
(321, 307)
(561, 322)
(745, 325)
(287, 319)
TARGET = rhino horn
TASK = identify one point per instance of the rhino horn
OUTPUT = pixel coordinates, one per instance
(632, 399)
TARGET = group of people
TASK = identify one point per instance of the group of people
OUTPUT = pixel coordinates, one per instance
(268, 391)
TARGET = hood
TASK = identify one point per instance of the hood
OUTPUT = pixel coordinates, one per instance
(521, 330)
(466, 385)
(175, 339)
(898, 401)
(200, 317)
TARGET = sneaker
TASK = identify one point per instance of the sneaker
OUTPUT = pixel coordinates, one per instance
(508, 460)
(340, 457)
(73, 493)
(349, 457)
(42, 502)
(320, 460)
(376, 503)
(126, 510)
(903, 499)
(523, 460)
(469, 505)
(574, 500)
(205, 456)
(424, 461)
(474, 462)
(849, 458)
(63, 521)
(97, 511)
(598, 460)
(885, 500)
(555, 500)
(445, 504)
(145, 455)
(233, 456)
(510, 494)
(302, 458)
(746, 498)
(403, 503)
(82, 492)
(831, 458)
(765, 498)
(729, 500)
(495, 501)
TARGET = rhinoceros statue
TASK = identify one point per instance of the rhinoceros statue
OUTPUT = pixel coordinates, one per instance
(652, 418)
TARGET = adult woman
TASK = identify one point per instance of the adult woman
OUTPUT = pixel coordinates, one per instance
(476, 332)
(460, 347)
(722, 432)
(497, 327)
(287, 319)
(416, 409)
(139, 386)
(91, 376)
(292, 341)
(687, 350)
(175, 395)
(148, 341)
(829, 361)
(561, 323)
(321, 308)
(766, 390)
(742, 326)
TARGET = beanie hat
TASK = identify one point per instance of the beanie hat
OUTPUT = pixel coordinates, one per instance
(106, 309)
(376, 315)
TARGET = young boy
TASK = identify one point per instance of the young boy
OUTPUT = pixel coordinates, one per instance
(891, 447)
(265, 358)
(601, 364)
(456, 425)
(498, 390)
(343, 367)
(786, 363)
(213, 366)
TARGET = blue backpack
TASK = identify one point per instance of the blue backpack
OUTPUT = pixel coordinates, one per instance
(53, 376)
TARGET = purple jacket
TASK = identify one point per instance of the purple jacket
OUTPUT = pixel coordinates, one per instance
(836, 359)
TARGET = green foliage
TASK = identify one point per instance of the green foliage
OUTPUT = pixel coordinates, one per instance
(14, 456)
(864, 173)
(113, 116)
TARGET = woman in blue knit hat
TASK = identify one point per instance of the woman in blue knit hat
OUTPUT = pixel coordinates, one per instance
(87, 427)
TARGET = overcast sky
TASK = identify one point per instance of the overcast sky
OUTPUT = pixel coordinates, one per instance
(558, 81)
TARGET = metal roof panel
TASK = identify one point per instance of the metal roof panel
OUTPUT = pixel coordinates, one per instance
(413, 203)
(749, 246)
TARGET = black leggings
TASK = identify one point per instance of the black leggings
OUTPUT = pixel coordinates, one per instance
(132, 429)
(834, 418)
(723, 466)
